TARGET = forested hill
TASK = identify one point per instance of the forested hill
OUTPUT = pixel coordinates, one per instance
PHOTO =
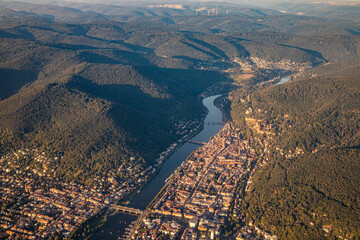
(97, 114)
(96, 102)
(311, 182)
(100, 85)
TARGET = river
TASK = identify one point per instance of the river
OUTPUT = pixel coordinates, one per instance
(283, 80)
(117, 224)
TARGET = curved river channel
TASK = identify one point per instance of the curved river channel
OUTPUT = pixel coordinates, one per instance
(117, 223)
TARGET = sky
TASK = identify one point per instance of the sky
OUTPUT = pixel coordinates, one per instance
(270, 4)
(257, 2)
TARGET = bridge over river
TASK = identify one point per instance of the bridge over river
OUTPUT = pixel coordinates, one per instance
(196, 142)
(114, 229)
(127, 209)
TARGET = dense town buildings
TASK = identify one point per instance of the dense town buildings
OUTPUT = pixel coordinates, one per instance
(35, 204)
(196, 202)
(205, 191)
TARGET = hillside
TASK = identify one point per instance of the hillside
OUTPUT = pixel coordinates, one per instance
(346, 11)
(298, 195)
(54, 91)
(94, 96)
(138, 77)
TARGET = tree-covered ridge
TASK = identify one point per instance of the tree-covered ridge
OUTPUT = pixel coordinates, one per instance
(98, 126)
(315, 196)
(98, 106)
(194, 38)
(66, 121)
(312, 194)
(145, 71)
(308, 113)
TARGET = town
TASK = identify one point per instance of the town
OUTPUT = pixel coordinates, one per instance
(198, 201)
(205, 191)
(35, 203)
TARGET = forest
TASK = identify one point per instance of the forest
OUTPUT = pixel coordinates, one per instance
(297, 196)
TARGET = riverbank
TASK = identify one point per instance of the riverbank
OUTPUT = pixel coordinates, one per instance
(165, 155)
(218, 164)
(172, 208)
(222, 102)
(182, 151)
(149, 190)
(170, 150)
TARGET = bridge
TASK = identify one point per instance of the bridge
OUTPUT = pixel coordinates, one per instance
(196, 142)
(126, 209)
(214, 123)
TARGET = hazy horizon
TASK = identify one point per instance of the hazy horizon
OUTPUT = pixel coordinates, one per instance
(254, 2)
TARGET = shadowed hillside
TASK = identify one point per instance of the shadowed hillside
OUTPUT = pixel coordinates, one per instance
(130, 74)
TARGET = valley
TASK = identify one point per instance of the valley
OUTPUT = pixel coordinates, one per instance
(98, 101)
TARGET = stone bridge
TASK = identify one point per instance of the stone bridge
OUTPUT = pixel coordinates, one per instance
(127, 209)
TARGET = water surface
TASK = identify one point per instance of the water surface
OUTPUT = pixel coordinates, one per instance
(117, 224)
(283, 80)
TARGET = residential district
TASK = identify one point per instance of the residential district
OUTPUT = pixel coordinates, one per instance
(36, 204)
(199, 200)
(204, 193)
